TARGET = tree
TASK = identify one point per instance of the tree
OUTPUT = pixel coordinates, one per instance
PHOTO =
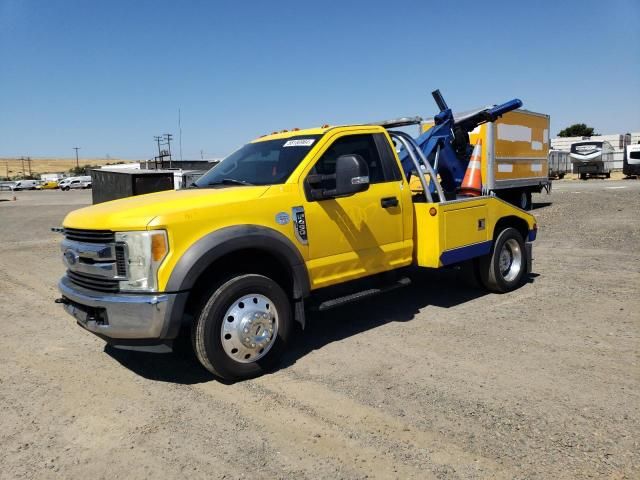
(577, 130)
(84, 170)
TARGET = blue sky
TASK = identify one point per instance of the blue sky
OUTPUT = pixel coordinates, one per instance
(109, 75)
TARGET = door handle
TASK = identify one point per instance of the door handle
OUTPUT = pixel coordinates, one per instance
(389, 202)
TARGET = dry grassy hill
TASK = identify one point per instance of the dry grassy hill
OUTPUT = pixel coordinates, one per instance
(13, 167)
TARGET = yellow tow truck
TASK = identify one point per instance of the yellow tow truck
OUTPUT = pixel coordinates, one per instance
(290, 220)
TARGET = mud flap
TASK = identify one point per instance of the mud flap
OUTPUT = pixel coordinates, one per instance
(529, 249)
(299, 313)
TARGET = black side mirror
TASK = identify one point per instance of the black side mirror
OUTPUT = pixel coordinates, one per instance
(352, 176)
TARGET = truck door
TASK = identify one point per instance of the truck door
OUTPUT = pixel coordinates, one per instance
(362, 234)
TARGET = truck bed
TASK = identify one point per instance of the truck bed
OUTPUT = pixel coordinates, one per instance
(453, 231)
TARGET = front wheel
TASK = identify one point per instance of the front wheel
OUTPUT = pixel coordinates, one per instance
(243, 328)
(505, 268)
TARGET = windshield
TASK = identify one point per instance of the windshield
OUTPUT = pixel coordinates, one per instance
(262, 163)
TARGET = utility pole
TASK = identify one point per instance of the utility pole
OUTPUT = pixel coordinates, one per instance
(29, 164)
(77, 162)
(22, 158)
(157, 138)
(168, 137)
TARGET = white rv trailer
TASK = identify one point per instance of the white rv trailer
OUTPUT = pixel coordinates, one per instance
(592, 158)
(631, 160)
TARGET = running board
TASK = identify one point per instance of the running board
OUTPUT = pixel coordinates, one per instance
(339, 301)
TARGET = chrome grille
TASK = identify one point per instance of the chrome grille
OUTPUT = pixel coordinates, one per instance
(89, 236)
(93, 283)
(94, 260)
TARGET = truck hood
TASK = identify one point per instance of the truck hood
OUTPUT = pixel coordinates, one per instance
(135, 213)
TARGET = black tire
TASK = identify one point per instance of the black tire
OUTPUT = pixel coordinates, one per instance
(491, 275)
(523, 200)
(208, 327)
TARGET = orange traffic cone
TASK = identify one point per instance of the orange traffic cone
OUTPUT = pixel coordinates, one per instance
(472, 182)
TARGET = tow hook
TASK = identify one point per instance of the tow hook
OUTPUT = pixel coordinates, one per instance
(62, 300)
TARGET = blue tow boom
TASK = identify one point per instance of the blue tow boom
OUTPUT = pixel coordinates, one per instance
(446, 145)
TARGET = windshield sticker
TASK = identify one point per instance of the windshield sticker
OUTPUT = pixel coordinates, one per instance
(302, 142)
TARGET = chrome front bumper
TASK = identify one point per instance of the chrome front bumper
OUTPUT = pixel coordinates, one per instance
(120, 316)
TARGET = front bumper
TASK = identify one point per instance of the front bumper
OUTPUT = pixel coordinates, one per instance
(122, 318)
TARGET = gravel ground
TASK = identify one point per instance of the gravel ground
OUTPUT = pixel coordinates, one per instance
(438, 380)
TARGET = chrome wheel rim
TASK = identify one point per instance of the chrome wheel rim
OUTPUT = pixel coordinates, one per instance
(510, 260)
(249, 328)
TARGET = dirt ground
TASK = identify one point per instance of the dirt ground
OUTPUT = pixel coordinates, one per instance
(438, 380)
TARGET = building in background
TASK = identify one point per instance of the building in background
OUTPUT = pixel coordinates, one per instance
(204, 164)
(51, 177)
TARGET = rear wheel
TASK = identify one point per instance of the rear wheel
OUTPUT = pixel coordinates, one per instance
(243, 328)
(505, 268)
(523, 200)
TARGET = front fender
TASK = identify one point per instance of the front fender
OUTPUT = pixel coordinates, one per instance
(221, 242)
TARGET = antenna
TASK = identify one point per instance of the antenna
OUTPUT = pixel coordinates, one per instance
(180, 131)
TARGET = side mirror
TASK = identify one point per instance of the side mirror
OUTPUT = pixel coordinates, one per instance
(352, 175)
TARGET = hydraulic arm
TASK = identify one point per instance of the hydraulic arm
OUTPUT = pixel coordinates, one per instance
(446, 145)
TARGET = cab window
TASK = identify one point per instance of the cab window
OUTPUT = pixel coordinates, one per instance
(363, 145)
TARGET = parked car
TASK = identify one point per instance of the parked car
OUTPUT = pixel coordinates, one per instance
(50, 185)
(25, 185)
(76, 183)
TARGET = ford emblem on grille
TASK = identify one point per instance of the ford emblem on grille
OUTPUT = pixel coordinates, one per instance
(71, 257)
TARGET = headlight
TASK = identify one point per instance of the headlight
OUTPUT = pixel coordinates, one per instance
(144, 252)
